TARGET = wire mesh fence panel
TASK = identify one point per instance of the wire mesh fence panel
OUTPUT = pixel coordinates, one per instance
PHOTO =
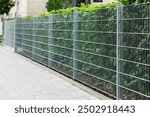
(61, 43)
(40, 39)
(96, 52)
(27, 37)
(9, 33)
(18, 36)
(107, 49)
(136, 52)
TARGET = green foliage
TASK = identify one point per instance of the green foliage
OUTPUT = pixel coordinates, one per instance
(26, 17)
(82, 8)
(80, 2)
(127, 2)
(57, 4)
(5, 6)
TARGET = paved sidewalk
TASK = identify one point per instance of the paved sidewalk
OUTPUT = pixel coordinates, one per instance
(20, 79)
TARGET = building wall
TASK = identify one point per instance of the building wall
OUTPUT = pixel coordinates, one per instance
(28, 7)
(19, 9)
(36, 6)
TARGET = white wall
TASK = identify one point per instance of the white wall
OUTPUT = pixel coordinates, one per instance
(22, 9)
(29, 7)
(36, 6)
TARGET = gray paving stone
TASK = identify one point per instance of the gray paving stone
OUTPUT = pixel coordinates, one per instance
(22, 80)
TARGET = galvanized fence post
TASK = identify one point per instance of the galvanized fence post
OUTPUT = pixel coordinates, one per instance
(119, 51)
(14, 35)
(50, 40)
(4, 32)
(33, 39)
(75, 43)
(21, 36)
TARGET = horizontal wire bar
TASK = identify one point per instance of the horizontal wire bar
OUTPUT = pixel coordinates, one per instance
(134, 77)
(18, 38)
(24, 34)
(95, 76)
(26, 45)
(146, 18)
(105, 44)
(134, 62)
(134, 33)
(39, 42)
(24, 29)
(62, 55)
(105, 32)
(27, 50)
(134, 47)
(86, 31)
(40, 49)
(58, 38)
(100, 55)
(60, 30)
(18, 43)
(23, 23)
(101, 20)
(40, 36)
(40, 56)
(61, 47)
(27, 39)
(96, 65)
(36, 22)
(134, 91)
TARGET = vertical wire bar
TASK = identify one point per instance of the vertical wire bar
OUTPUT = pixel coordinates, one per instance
(14, 34)
(148, 53)
(33, 38)
(9, 34)
(21, 36)
(50, 40)
(75, 43)
(119, 52)
(4, 32)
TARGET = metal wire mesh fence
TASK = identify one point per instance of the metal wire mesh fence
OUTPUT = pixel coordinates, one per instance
(108, 49)
(10, 36)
